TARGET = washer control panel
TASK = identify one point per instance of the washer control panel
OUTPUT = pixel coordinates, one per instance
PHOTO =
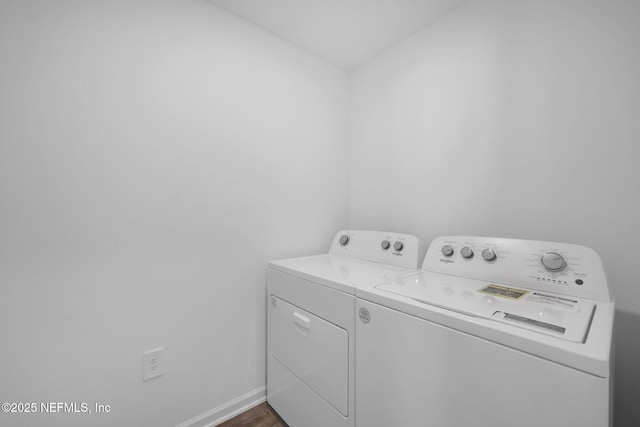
(553, 267)
(398, 249)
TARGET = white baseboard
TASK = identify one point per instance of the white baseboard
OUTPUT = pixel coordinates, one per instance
(228, 410)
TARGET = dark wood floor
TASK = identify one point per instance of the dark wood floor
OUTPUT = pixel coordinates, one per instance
(262, 415)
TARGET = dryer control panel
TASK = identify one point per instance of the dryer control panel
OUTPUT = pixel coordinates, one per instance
(403, 250)
(553, 267)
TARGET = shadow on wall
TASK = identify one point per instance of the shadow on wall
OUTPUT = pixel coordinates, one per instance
(627, 370)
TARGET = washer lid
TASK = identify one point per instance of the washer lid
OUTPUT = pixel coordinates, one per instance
(340, 272)
(564, 317)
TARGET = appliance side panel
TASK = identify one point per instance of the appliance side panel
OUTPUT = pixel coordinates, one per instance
(413, 372)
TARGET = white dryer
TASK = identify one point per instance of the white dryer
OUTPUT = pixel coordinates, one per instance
(491, 333)
(311, 323)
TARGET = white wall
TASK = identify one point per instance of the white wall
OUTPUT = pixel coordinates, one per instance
(513, 119)
(153, 156)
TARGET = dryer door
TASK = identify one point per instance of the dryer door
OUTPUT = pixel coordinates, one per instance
(314, 350)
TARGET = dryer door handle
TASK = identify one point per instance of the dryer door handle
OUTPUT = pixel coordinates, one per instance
(301, 320)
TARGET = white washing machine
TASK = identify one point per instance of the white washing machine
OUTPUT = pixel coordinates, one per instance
(311, 323)
(491, 333)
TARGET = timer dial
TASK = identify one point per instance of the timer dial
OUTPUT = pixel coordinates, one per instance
(385, 244)
(398, 246)
(553, 261)
(344, 239)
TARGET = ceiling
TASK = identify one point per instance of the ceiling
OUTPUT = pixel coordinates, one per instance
(346, 33)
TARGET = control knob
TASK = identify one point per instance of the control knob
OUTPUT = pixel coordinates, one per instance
(447, 250)
(466, 252)
(489, 255)
(385, 245)
(344, 239)
(553, 261)
(398, 246)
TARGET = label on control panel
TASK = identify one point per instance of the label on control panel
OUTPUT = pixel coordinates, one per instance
(503, 291)
(553, 301)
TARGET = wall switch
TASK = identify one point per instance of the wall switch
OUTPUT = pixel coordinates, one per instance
(152, 364)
